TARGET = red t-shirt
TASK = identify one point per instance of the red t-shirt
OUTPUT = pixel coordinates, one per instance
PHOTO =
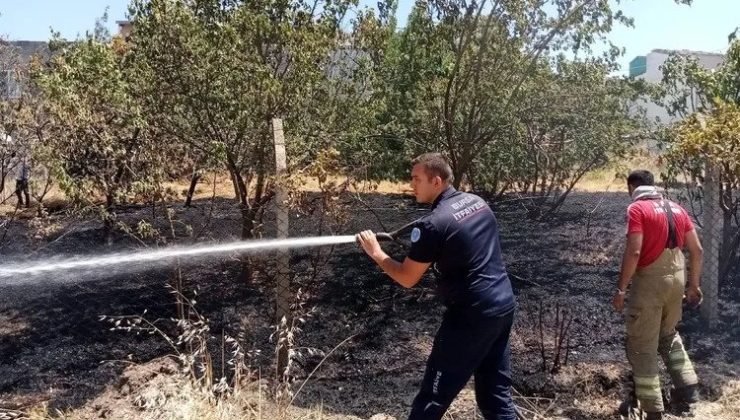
(648, 217)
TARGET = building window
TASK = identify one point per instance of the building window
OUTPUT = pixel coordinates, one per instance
(638, 66)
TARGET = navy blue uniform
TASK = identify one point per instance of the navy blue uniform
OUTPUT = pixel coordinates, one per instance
(460, 236)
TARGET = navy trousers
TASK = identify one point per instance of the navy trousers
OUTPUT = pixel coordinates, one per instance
(463, 348)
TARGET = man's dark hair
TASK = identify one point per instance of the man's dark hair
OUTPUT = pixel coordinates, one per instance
(435, 165)
(640, 177)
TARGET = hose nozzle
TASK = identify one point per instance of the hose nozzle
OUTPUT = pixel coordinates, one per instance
(393, 236)
(384, 237)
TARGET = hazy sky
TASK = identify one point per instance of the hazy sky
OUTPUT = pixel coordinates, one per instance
(658, 23)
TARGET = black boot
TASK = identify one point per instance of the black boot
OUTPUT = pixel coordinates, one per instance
(629, 405)
(688, 394)
(683, 398)
(626, 408)
(629, 409)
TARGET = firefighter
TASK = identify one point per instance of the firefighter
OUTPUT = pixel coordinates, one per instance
(657, 231)
(460, 236)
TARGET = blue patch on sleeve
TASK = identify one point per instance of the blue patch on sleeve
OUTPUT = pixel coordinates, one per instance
(415, 234)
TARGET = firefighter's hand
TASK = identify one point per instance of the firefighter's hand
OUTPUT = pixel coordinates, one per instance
(369, 243)
(618, 301)
(694, 296)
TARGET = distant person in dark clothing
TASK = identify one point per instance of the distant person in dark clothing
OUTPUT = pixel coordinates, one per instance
(22, 175)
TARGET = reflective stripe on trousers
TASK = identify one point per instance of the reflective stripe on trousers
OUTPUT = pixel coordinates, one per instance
(653, 311)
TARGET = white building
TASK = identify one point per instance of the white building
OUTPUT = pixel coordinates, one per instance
(649, 68)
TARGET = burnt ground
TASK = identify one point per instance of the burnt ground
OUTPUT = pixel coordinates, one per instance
(55, 350)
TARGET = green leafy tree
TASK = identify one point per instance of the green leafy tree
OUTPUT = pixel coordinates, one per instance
(101, 147)
(461, 67)
(213, 74)
(708, 100)
(573, 119)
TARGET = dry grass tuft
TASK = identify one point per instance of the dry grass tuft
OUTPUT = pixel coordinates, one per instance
(174, 396)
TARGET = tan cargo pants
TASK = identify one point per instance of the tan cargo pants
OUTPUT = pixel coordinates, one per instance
(653, 310)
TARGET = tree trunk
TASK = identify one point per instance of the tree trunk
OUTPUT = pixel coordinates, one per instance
(250, 209)
(234, 182)
(193, 182)
(108, 222)
(247, 212)
(458, 171)
(711, 241)
(2, 179)
(247, 233)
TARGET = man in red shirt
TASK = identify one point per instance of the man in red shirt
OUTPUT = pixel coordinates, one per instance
(657, 231)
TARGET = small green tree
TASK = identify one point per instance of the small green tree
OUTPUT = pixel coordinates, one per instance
(573, 119)
(214, 74)
(102, 147)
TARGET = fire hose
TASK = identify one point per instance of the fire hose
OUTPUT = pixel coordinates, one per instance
(395, 235)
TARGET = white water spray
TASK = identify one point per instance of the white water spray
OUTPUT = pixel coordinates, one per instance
(106, 264)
